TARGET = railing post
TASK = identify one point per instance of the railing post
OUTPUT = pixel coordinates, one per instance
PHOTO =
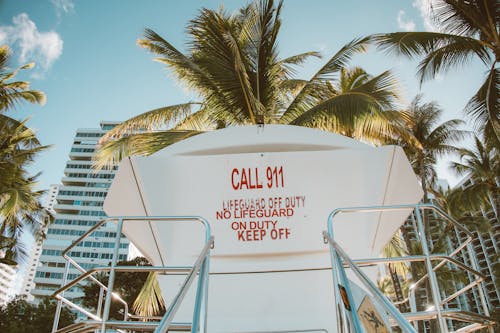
(413, 304)
(201, 301)
(353, 314)
(443, 327)
(339, 305)
(57, 315)
(200, 307)
(165, 322)
(336, 291)
(475, 266)
(204, 304)
(99, 301)
(342, 322)
(111, 281)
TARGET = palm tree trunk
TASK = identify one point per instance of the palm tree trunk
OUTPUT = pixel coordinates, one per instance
(398, 291)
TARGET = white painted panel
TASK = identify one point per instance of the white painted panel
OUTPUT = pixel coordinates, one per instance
(267, 205)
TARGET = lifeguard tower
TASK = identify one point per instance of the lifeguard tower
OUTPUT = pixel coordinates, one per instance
(270, 229)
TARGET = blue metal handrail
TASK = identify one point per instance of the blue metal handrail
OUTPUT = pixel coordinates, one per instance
(338, 252)
(200, 268)
(337, 265)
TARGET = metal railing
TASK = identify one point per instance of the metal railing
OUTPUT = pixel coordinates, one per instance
(340, 261)
(347, 321)
(200, 268)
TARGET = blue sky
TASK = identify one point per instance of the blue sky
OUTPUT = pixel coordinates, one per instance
(91, 69)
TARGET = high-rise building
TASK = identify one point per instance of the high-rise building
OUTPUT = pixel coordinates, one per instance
(7, 275)
(36, 249)
(79, 207)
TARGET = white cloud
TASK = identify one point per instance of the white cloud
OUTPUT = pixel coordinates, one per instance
(41, 47)
(63, 6)
(424, 7)
(406, 25)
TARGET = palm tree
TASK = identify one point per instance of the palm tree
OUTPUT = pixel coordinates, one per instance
(468, 29)
(20, 206)
(373, 127)
(233, 65)
(482, 165)
(396, 248)
(430, 139)
(13, 92)
(456, 205)
(20, 202)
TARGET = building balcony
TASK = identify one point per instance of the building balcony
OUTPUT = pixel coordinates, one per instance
(84, 144)
(88, 182)
(65, 199)
(75, 208)
(80, 156)
(64, 216)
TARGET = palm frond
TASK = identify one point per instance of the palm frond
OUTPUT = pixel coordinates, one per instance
(475, 196)
(112, 152)
(149, 302)
(231, 63)
(481, 162)
(17, 129)
(373, 96)
(186, 69)
(469, 28)
(308, 94)
(201, 120)
(341, 59)
(299, 59)
(466, 18)
(151, 120)
(447, 132)
(380, 128)
(4, 57)
(292, 86)
(412, 44)
(12, 93)
(455, 53)
(396, 248)
(484, 106)
(350, 78)
(482, 166)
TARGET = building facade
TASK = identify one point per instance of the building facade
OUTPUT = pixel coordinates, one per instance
(78, 207)
(7, 276)
(36, 250)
